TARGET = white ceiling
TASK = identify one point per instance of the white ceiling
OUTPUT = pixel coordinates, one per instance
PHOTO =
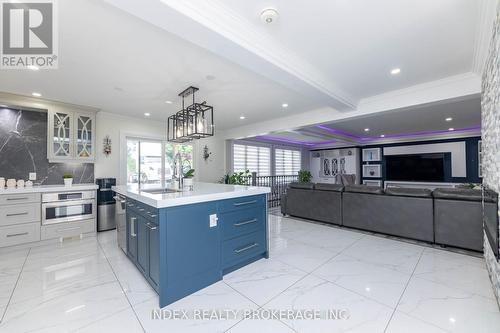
(423, 122)
(357, 42)
(343, 49)
(121, 64)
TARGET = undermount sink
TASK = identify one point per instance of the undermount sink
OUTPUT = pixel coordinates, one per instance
(161, 191)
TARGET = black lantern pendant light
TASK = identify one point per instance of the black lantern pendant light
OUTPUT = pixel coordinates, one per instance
(195, 121)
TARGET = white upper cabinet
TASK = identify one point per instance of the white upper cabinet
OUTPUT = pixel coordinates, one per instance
(71, 136)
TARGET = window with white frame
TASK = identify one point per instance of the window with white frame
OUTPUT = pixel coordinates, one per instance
(151, 161)
(287, 161)
(252, 158)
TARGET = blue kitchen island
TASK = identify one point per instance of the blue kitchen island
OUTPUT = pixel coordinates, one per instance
(185, 241)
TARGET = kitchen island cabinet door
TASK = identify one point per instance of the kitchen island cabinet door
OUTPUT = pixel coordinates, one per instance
(143, 245)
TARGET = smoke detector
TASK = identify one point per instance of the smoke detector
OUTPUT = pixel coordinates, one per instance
(269, 15)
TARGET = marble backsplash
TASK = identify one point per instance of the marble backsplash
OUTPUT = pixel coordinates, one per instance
(23, 149)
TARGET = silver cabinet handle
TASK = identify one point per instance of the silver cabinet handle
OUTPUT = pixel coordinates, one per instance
(17, 214)
(239, 224)
(245, 203)
(132, 226)
(246, 248)
(141, 209)
(12, 199)
(152, 215)
(19, 234)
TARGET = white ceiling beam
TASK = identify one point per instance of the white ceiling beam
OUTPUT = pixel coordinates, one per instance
(213, 26)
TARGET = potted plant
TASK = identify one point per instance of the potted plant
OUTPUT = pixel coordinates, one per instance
(305, 176)
(238, 178)
(188, 179)
(68, 179)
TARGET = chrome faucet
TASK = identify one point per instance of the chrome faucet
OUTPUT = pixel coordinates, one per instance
(178, 173)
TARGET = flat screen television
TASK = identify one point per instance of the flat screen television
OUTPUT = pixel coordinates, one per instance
(419, 167)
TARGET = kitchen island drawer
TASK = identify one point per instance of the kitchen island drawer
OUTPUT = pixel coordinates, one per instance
(241, 203)
(67, 229)
(19, 234)
(20, 198)
(16, 214)
(240, 249)
(241, 222)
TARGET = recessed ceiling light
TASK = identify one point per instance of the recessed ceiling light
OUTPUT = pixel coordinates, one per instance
(33, 68)
(242, 117)
(147, 114)
(395, 71)
(210, 77)
(367, 130)
(451, 129)
(382, 135)
(449, 119)
(284, 105)
(36, 94)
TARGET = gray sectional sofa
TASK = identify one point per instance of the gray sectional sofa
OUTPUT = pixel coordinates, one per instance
(450, 217)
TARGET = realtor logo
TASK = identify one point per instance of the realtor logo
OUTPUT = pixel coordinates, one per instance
(29, 34)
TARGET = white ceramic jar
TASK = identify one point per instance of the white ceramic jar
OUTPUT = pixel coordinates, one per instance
(11, 183)
(2, 183)
(20, 183)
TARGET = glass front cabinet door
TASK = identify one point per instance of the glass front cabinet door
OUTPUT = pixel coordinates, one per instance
(71, 136)
(84, 134)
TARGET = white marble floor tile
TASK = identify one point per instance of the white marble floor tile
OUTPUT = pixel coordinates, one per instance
(260, 326)
(455, 270)
(134, 285)
(393, 254)
(300, 255)
(314, 293)
(263, 279)
(63, 277)
(122, 322)
(402, 323)
(371, 280)
(218, 296)
(331, 238)
(448, 308)
(66, 313)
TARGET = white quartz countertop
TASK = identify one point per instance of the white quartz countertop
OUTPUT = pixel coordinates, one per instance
(50, 188)
(202, 192)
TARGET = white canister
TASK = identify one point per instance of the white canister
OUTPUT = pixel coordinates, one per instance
(11, 183)
(2, 183)
(20, 183)
(28, 183)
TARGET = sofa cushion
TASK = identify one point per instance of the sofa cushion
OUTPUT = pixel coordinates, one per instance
(457, 194)
(329, 187)
(364, 189)
(409, 192)
(303, 186)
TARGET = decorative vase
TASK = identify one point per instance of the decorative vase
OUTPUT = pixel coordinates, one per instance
(20, 183)
(28, 183)
(68, 181)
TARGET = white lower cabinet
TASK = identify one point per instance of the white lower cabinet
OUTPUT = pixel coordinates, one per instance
(67, 229)
(19, 234)
(16, 214)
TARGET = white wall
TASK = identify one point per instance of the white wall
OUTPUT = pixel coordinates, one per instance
(214, 168)
(118, 126)
(113, 124)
